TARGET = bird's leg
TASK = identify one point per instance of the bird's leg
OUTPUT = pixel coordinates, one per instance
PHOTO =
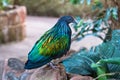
(53, 66)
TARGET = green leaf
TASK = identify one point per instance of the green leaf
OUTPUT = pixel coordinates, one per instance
(108, 14)
(100, 70)
(97, 24)
(79, 23)
(75, 1)
(115, 13)
(84, 29)
(111, 61)
(112, 11)
(97, 4)
(79, 63)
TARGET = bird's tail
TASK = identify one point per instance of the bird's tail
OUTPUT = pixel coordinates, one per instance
(31, 65)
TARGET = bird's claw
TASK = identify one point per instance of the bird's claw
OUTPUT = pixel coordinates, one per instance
(53, 66)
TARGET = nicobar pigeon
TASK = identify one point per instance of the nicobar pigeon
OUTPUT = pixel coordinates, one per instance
(53, 44)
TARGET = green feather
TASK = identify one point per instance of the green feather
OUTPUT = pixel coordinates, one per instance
(53, 44)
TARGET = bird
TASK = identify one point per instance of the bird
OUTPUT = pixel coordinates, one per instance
(53, 44)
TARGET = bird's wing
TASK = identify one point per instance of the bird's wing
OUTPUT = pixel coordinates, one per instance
(48, 46)
(53, 46)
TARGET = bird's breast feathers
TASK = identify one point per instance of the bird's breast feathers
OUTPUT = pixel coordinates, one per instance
(54, 42)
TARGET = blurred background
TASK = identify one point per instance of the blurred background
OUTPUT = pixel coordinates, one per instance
(22, 22)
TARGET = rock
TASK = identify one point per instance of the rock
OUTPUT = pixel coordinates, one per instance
(12, 25)
(47, 73)
(3, 21)
(1, 68)
(14, 70)
(79, 77)
(11, 76)
(16, 32)
(16, 64)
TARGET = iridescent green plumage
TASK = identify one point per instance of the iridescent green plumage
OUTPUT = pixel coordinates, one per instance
(53, 44)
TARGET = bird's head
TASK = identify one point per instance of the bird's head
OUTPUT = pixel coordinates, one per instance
(67, 19)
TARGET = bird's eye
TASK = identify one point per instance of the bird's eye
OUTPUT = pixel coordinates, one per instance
(69, 19)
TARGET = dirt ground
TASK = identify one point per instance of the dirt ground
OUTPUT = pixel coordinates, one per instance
(35, 27)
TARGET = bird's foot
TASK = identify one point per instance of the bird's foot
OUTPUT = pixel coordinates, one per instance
(53, 66)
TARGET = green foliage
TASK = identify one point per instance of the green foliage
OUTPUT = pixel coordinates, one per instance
(80, 22)
(100, 69)
(102, 63)
(97, 4)
(4, 3)
(100, 20)
(74, 1)
(80, 1)
(79, 63)
(111, 12)
(85, 26)
(110, 60)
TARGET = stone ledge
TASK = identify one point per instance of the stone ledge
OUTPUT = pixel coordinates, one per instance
(13, 69)
(12, 24)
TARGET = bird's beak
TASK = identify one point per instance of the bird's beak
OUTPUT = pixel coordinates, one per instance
(75, 22)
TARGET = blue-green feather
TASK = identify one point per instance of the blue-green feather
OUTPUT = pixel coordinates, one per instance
(53, 44)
